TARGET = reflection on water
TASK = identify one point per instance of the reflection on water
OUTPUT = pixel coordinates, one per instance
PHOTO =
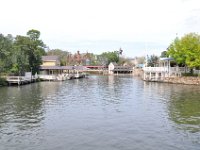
(184, 108)
(20, 108)
(101, 112)
(182, 101)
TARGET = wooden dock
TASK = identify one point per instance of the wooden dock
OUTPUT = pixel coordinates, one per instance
(18, 80)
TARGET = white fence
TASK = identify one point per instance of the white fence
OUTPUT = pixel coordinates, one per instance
(47, 77)
(196, 71)
(166, 69)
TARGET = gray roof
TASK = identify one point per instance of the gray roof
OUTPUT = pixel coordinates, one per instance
(63, 68)
(50, 58)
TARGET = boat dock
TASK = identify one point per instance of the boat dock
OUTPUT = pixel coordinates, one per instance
(19, 80)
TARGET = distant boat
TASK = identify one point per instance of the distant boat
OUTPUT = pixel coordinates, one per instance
(70, 76)
(79, 75)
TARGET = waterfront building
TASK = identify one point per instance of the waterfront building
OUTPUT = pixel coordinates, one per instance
(164, 70)
(114, 68)
(51, 69)
(50, 61)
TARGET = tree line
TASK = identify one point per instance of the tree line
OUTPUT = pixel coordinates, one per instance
(24, 54)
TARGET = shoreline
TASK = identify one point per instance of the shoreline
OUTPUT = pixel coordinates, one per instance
(182, 80)
(185, 80)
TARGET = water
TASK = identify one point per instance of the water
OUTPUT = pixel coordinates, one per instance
(100, 113)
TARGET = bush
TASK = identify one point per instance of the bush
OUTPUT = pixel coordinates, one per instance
(3, 81)
(190, 75)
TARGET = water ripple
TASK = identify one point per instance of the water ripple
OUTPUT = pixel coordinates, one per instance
(101, 112)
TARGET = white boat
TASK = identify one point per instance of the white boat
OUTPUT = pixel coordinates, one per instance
(70, 76)
(79, 75)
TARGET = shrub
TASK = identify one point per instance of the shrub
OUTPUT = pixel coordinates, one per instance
(3, 81)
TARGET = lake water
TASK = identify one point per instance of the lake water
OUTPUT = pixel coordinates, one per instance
(100, 113)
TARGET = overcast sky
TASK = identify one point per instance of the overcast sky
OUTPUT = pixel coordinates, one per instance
(139, 27)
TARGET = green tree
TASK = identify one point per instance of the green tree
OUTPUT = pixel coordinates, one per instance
(108, 57)
(101, 60)
(175, 51)
(186, 50)
(28, 51)
(34, 35)
(36, 48)
(6, 44)
(152, 60)
(20, 55)
(63, 55)
(164, 54)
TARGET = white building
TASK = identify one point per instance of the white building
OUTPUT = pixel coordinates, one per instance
(164, 70)
(113, 68)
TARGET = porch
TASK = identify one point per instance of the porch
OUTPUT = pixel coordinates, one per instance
(159, 73)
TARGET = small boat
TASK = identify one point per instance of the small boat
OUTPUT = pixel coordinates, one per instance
(69, 76)
(79, 75)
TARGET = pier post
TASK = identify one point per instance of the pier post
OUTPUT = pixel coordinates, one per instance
(158, 76)
(144, 76)
(150, 75)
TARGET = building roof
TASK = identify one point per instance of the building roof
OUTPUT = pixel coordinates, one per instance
(166, 59)
(95, 66)
(63, 68)
(50, 58)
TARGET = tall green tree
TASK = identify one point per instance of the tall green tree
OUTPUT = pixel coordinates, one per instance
(175, 50)
(186, 50)
(20, 55)
(35, 50)
(6, 44)
(28, 51)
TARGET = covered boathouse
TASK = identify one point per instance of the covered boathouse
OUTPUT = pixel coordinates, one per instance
(51, 69)
(114, 68)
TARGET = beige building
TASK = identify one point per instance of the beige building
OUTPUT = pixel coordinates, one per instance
(50, 61)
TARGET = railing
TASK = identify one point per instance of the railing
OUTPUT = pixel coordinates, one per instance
(47, 77)
(14, 78)
(165, 69)
(196, 71)
(155, 69)
(18, 80)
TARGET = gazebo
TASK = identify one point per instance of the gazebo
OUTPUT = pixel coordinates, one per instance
(164, 70)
